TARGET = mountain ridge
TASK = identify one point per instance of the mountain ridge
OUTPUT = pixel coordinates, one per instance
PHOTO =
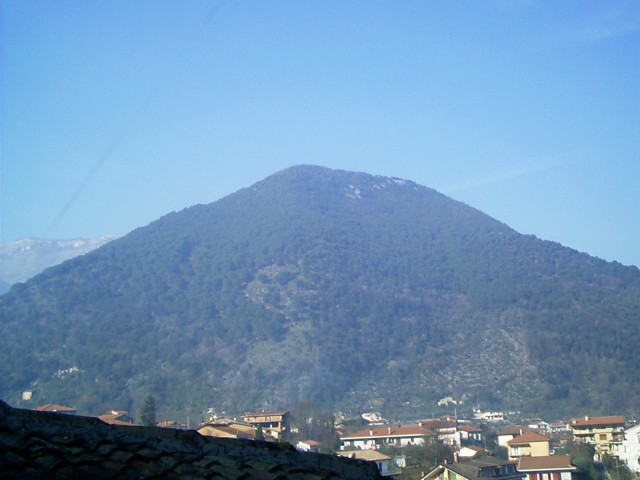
(345, 288)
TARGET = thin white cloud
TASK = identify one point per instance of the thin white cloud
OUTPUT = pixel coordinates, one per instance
(491, 178)
(516, 171)
(609, 24)
(606, 21)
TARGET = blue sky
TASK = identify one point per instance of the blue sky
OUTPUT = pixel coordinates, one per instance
(115, 113)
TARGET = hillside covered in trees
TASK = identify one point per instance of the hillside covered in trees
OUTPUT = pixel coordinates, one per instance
(350, 290)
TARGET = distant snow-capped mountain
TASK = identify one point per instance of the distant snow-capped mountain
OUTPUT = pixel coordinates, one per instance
(24, 258)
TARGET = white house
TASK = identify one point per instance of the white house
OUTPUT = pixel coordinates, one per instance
(445, 428)
(470, 434)
(507, 434)
(631, 449)
(470, 451)
(382, 461)
(372, 438)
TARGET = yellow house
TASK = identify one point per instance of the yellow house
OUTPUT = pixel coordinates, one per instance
(529, 444)
(277, 424)
(604, 433)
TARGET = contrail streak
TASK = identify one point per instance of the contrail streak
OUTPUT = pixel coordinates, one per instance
(99, 163)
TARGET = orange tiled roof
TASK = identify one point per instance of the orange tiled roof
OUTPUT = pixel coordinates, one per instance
(384, 432)
(52, 407)
(116, 418)
(528, 437)
(514, 430)
(551, 462)
(468, 428)
(438, 423)
(597, 421)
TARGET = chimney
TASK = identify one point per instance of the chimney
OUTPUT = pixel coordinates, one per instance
(371, 432)
(586, 418)
(389, 431)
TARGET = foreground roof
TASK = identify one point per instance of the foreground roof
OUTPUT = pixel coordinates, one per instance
(491, 468)
(36, 445)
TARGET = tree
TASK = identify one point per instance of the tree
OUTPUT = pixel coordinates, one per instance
(582, 458)
(616, 469)
(148, 412)
(259, 436)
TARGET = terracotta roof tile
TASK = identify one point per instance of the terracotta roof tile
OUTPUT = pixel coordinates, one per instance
(514, 430)
(52, 407)
(597, 421)
(551, 462)
(528, 437)
(468, 428)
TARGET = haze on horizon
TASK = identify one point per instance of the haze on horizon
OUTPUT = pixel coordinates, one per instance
(116, 113)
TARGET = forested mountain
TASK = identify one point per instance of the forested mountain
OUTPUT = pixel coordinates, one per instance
(351, 290)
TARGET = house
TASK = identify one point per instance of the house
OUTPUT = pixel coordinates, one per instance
(630, 453)
(276, 424)
(486, 469)
(381, 460)
(470, 435)
(488, 416)
(172, 424)
(117, 417)
(227, 428)
(509, 433)
(529, 444)
(374, 418)
(539, 426)
(308, 446)
(559, 428)
(52, 407)
(606, 434)
(445, 428)
(470, 451)
(549, 467)
(381, 436)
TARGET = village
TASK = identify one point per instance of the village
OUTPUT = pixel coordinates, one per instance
(443, 448)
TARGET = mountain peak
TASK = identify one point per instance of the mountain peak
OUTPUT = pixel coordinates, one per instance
(348, 289)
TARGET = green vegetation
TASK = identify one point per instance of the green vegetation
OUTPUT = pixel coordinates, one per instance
(148, 412)
(355, 291)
